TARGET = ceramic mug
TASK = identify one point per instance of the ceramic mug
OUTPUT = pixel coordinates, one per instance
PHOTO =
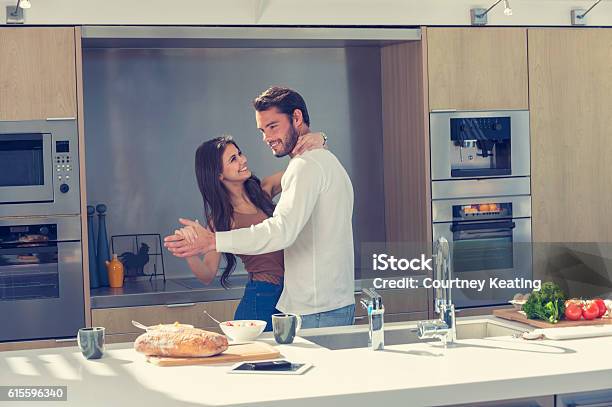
(91, 342)
(285, 327)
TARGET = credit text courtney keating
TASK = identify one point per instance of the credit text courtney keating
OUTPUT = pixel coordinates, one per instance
(384, 262)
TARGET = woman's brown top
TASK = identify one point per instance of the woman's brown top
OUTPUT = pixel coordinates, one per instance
(268, 267)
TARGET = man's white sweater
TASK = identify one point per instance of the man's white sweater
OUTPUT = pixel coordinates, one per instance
(313, 224)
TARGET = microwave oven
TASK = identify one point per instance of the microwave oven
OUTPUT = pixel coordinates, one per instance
(39, 168)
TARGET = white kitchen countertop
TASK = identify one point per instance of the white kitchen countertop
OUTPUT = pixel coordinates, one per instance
(414, 374)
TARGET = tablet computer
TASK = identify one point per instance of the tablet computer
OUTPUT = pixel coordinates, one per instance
(271, 367)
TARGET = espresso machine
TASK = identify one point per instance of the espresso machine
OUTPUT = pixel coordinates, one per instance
(480, 147)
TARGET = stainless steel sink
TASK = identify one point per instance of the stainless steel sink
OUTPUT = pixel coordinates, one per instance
(405, 333)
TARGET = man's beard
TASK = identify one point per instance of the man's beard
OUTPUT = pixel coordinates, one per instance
(291, 141)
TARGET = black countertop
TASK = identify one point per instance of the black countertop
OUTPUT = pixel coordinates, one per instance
(172, 291)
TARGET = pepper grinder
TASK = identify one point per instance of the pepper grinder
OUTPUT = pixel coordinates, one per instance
(94, 281)
(103, 250)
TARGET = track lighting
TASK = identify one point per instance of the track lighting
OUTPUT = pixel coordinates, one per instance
(14, 14)
(578, 15)
(478, 16)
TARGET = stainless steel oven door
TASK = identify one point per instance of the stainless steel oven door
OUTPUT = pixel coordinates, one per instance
(440, 142)
(492, 252)
(26, 168)
(41, 284)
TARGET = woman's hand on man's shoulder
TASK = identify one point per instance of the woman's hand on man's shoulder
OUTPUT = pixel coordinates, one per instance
(310, 141)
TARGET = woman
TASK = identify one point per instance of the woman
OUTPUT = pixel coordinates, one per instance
(234, 198)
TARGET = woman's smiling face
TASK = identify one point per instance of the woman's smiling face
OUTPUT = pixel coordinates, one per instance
(235, 167)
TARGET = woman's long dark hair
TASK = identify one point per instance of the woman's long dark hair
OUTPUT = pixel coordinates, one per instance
(218, 209)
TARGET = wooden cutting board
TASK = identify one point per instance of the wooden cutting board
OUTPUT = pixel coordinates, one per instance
(233, 354)
(515, 315)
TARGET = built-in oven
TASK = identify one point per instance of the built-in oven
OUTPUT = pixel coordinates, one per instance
(41, 278)
(481, 201)
(479, 144)
(39, 168)
(490, 241)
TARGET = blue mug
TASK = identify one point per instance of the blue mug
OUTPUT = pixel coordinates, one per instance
(285, 326)
(91, 342)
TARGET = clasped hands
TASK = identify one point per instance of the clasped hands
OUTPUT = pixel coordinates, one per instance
(191, 240)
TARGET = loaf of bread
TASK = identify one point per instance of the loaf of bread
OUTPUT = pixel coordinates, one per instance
(183, 342)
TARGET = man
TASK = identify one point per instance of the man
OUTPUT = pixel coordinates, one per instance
(312, 221)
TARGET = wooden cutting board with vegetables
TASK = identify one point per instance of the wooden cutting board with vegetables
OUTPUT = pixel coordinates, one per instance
(515, 315)
(550, 307)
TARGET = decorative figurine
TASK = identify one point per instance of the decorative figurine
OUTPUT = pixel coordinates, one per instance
(135, 262)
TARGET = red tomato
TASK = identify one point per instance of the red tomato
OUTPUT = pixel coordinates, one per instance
(602, 306)
(590, 310)
(578, 302)
(573, 312)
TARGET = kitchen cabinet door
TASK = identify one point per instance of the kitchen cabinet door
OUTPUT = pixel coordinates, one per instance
(118, 321)
(570, 92)
(482, 68)
(570, 85)
(37, 73)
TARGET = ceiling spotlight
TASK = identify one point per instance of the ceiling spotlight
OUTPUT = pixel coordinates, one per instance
(14, 14)
(478, 16)
(507, 9)
(578, 15)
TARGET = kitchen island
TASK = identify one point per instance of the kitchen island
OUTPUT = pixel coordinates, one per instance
(414, 374)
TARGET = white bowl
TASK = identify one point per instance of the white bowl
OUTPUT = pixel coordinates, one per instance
(243, 330)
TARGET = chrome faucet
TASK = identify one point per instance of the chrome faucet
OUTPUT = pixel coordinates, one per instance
(372, 302)
(443, 328)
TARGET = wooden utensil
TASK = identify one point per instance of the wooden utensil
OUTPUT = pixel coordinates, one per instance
(237, 353)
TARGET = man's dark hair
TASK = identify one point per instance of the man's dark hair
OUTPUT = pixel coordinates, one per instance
(284, 99)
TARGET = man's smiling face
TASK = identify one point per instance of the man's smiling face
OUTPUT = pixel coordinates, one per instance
(278, 131)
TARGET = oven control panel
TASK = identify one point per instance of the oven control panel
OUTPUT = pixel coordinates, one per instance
(480, 128)
(63, 164)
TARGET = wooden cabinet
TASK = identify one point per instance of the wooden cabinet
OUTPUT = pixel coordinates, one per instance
(482, 68)
(570, 97)
(37, 73)
(118, 321)
(570, 84)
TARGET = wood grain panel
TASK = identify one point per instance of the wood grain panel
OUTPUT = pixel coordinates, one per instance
(119, 320)
(78, 55)
(482, 68)
(37, 67)
(406, 148)
(405, 144)
(570, 84)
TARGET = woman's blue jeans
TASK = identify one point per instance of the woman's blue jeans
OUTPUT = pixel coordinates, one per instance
(259, 302)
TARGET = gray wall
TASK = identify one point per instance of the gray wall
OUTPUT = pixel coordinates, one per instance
(147, 110)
